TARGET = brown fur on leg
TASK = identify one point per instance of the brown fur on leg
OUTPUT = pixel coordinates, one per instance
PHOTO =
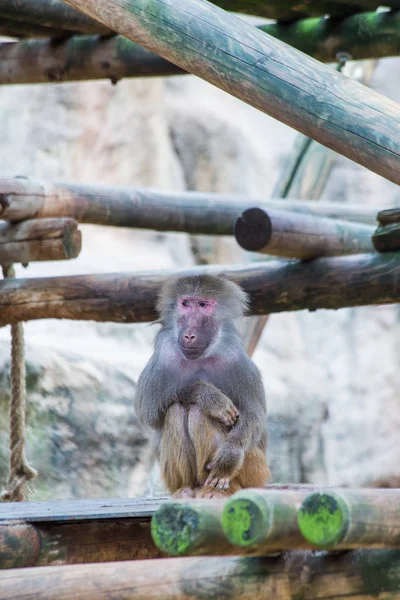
(206, 437)
(176, 454)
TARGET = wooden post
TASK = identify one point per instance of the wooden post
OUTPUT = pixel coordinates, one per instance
(78, 58)
(262, 71)
(193, 212)
(274, 286)
(41, 239)
(387, 237)
(19, 545)
(345, 519)
(299, 236)
(264, 521)
(361, 574)
(190, 528)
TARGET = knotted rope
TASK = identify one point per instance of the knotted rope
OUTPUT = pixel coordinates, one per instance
(20, 470)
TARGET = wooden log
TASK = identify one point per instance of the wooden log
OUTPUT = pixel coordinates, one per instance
(193, 212)
(19, 545)
(191, 528)
(387, 236)
(76, 531)
(364, 35)
(363, 574)
(274, 286)
(41, 239)
(263, 521)
(346, 519)
(267, 74)
(300, 236)
(12, 28)
(50, 13)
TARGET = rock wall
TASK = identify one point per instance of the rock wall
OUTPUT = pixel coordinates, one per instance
(332, 378)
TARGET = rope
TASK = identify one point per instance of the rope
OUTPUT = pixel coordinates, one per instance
(20, 471)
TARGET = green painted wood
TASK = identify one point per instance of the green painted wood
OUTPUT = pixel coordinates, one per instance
(346, 519)
(273, 286)
(262, 71)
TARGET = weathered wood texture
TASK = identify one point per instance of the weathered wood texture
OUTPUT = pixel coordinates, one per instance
(64, 543)
(274, 286)
(290, 235)
(55, 14)
(364, 35)
(79, 510)
(39, 239)
(387, 237)
(262, 71)
(361, 574)
(346, 519)
(50, 13)
(193, 212)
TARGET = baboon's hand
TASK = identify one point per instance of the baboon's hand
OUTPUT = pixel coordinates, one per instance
(226, 463)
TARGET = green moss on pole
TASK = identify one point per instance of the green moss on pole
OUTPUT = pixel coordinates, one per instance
(183, 529)
(323, 519)
(246, 521)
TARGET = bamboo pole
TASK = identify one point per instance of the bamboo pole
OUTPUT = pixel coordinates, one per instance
(39, 239)
(191, 528)
(262, 71)
(290, 235)
(273, 286)
(12, 28)
(346, 519)
(193, 212)
(78, 58)
(361, 574)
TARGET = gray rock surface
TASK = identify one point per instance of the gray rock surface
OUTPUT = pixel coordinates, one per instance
(332, 378)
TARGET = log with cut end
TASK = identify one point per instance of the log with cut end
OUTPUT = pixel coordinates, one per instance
(192, 212)
(387, 236)
(273, 286)
(39, 239)
(264, 72)
(262, 521)
(363, 574)
(291, 235)
(345, 519)
(191, 528)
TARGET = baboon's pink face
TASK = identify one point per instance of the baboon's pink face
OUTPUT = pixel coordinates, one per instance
(197, 325)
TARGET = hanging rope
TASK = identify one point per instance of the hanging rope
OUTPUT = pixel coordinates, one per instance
(20, 471)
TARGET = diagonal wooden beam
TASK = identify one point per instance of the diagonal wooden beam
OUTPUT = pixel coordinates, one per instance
(262, 71)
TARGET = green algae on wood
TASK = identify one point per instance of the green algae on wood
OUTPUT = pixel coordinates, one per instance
(322, 518)
(190, 528)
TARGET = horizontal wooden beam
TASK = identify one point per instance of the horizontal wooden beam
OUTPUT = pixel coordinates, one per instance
(54, 13)
(50, 13)
(262, 71)
(273, 286)
(12, 28)
(362, 574)
(291, 235)
(345, 519)
(360, 36)
(76, 531)
(39, 239)
(192, 212)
